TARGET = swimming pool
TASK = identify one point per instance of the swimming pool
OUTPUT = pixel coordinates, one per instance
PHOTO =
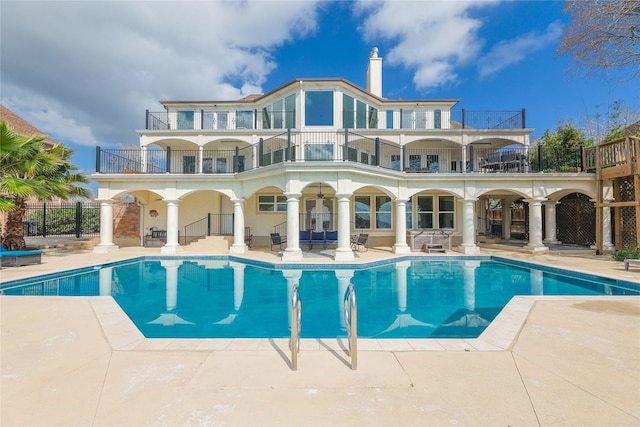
(225, 297)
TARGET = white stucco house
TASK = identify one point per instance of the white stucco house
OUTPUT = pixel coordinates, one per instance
(326, 155)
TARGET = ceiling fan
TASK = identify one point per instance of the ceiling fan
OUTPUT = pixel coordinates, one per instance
(320, 195)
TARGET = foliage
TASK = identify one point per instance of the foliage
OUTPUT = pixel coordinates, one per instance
(619, 121)
(603, 35)
(29, 170)
(561, 148)
(622, 254)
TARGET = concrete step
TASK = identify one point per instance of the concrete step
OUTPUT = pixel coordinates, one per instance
(216, 244)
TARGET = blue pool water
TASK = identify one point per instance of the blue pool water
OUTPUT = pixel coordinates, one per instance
(224, 297)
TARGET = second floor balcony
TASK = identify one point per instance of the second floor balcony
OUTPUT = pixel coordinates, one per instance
(345, 147)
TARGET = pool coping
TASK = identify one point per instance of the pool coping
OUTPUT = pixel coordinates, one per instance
(500, 335)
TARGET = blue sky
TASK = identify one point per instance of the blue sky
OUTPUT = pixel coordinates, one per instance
(85, 71)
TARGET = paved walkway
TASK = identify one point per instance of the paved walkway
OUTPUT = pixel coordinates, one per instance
(573, 361)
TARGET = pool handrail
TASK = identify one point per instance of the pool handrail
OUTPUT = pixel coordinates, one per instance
(296, 326)
(351, 323)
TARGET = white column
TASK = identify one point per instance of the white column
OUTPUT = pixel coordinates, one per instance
(401, 247)
(106, 229)
(343, 251)
(535, 226)
(506, 219)
(144, 158)
(172, 246)
(468, 230)
(463, 166)
(238, 246)
(293, 251)
(550, 222)
(607, 244)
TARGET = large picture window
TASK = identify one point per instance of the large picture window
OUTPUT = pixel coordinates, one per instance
(362, 212)
(318, 108)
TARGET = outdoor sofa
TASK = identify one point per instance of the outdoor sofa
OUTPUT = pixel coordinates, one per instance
(19, 258)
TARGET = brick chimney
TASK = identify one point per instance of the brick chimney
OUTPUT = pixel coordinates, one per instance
(374, 73)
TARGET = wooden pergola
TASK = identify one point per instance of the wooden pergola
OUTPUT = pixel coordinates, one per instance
(617, 162)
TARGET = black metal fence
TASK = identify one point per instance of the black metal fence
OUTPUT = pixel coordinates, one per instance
(62, 219)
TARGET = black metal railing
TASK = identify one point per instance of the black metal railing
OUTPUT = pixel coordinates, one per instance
(62, 219)
(219, 119)
(211, 225)
(343, 146)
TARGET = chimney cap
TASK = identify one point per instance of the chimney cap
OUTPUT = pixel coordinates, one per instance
(374, 53)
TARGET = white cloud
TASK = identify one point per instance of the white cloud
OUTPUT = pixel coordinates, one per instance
(434, 38)
(86, 71)
(510, 52)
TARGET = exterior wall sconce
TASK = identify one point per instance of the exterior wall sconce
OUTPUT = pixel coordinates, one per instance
(153, 213)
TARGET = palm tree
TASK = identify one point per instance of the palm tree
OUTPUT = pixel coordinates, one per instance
(28, 170)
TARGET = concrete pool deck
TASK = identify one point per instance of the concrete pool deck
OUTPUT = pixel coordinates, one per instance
(570, 361)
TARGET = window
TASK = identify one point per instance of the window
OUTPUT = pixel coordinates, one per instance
(314, 151)
(221, 165)
(414, 162)
(361, 115)
(389, 119)
(347, 112)
(318, 108)
(395, 162)
(352, 154)
(383, 212)
(409, 207)
(185, 119)
(290, 111)
(272, 203)
(207, 165)
(437, 119)
(425, 211)
(189, 164)
(278, 114)
(244, 119)
(407, 119)
(239, 161)
(223, 119)
(421, 119)
(362, 212)
(446, 211)
(373, 118)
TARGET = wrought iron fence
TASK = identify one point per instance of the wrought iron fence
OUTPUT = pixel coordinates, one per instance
(62, 219)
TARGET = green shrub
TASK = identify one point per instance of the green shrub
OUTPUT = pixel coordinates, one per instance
(623, 254)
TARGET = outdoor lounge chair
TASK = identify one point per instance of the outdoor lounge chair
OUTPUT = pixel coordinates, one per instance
(630, 261)
(277, 240)
(361, 241)
(19, 258)
(305, 237)
(317, 238)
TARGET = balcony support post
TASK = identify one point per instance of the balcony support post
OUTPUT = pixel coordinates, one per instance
(98, 159)
(523, 120)
(377, 151)
(540, 160)
(260, 151)
(201, 119)
(146, 120)
(463, 119)
(471, 159)
(289, 145)
(403, 157)
(168, 165)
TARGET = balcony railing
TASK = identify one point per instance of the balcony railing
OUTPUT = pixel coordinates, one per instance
(615, 158)
(342, 146)
(229, 120)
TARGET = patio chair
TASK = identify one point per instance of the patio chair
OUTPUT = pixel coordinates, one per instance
(277, 240)
(361, 241)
